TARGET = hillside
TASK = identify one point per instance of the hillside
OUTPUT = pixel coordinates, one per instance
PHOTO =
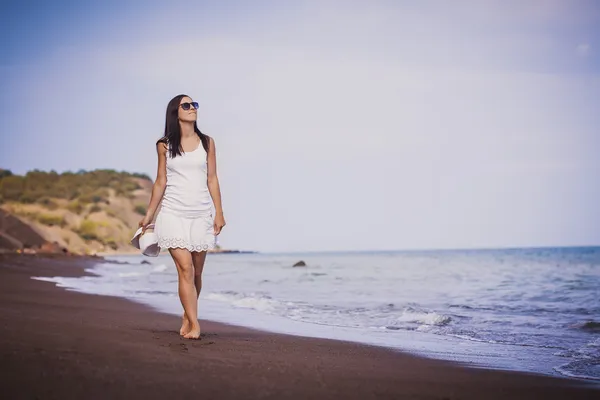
(83, 212)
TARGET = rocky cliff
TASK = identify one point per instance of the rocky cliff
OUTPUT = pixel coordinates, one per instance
(84, 212)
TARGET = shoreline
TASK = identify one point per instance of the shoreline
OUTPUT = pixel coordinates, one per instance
(432, 345)
(55, 342)
(136, 252)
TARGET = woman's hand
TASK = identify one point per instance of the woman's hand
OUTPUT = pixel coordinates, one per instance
(145, 222)
(219, 223)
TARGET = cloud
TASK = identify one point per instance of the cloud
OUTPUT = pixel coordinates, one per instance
(583, 49)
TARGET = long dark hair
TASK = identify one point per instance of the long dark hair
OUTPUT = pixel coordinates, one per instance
(172, 137)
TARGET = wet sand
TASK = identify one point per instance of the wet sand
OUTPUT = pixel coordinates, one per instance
(59, 344)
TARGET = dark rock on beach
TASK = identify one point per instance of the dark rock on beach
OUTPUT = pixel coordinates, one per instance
(300, 264)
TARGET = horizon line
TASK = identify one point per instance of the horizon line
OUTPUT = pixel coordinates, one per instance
(412, 250)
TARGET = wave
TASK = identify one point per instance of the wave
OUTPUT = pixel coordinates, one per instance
(160, 268)
(257, 302)
(585, 360)
(131, 274)
(154, 292)
(386, 315)
(409, 314)
(581, 369)
(526, 310)
(471, 338)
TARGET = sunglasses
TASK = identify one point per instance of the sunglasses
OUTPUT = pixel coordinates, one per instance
(186, 106)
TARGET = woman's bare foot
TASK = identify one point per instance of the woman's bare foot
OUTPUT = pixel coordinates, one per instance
(194, 332)
(185, 326)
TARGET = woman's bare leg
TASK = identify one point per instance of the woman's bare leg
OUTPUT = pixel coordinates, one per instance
(187, 290)
(198, 258)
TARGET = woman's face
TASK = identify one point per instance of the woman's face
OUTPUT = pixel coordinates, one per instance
(190, 114)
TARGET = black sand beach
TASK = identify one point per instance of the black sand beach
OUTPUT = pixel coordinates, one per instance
(57, 344)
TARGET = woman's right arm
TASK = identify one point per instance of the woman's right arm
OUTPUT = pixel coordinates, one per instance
(158, 189)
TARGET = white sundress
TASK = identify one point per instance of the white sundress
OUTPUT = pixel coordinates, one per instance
(185, 219)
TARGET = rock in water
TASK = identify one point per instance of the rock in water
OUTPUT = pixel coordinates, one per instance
(300, 264)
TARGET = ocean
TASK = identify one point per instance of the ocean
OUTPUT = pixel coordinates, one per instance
(534, 310)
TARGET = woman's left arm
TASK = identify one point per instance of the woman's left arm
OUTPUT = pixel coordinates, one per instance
(214, 188)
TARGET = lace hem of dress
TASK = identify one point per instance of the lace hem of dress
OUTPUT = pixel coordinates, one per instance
(178, 243)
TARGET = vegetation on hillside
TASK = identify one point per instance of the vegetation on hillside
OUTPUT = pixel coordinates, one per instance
(84, 186)
(85, 210)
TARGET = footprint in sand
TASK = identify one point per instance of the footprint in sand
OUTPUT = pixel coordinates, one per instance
(178, 347)
(202, 343)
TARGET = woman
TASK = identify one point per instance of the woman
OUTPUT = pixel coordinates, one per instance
(186, 182)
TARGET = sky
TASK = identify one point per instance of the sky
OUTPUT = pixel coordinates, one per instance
(339, 125)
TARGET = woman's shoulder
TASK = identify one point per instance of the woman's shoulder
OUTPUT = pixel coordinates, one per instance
(162, 144)
(209, 138)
